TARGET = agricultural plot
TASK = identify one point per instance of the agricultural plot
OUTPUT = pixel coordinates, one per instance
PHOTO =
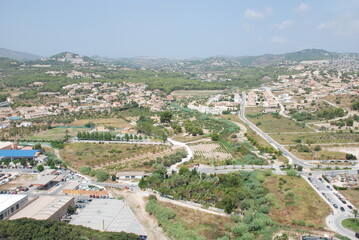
(103, 155)
(323, 154)
(272, 123)
(295, 203)
(104, 122)
(210, 150)
(316, 138)
(55, 134)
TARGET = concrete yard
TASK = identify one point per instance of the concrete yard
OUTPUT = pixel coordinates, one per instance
(108, 215)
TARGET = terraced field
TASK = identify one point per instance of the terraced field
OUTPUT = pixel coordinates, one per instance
(210, 150)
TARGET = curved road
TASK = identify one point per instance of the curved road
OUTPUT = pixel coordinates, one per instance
(189, 155)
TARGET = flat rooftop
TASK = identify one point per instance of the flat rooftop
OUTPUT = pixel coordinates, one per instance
(42, 208)
(72, 185)
(18, 153)
(108, 215)
(8, 200)
(44, 180)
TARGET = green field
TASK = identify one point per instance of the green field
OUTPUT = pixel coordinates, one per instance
(319, 137)
(104, 122)
(352, 224)
(55, 134)
(273, 123)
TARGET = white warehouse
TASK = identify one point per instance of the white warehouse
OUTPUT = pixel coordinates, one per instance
(9, 204)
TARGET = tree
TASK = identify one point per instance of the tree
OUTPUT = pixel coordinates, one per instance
(350, 156)
(37, 146)
(214, 137)
(183, 170)
(166, 116)
(317, 148)
(71, 210)
(113, 177)
(66, 134)
(102, 175)
(23, 162)
(89, 125)
(355, 105)
(142, 183)
(40, 168)
(355, 212)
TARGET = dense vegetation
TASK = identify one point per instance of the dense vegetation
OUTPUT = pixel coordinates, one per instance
(26, 229)
(242, 193)
(327, 113)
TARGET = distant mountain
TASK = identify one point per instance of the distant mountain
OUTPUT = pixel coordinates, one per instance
(304, 55)
(19, 56)
(218, 62)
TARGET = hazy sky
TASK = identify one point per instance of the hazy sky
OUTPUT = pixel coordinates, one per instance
(178, 28)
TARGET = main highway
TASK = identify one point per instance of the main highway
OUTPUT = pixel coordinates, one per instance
(292, 159)
(330, 195)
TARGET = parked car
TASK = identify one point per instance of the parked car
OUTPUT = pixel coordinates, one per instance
(342, 209)
(350, 207)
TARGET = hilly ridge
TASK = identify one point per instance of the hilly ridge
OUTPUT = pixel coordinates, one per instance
(17, 55)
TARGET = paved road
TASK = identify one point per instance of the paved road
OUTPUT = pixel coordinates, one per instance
(330, 196)
(292, 159)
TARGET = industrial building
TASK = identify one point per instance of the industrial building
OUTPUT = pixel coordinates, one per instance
(46, 208)
(130, 175)
(108, 215)
(9, 204)
(44, 181)
(19, 154)
(7, 145)
(79, 189)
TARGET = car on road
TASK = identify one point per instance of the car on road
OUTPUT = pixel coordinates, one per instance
(342, 209)
(357, 235)
(329, 188)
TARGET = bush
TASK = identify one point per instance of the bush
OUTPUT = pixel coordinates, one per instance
(86, 170)
(317, 148)
(350, 156)
(40, 168)
(292, 173)
(240, 229)
(102, 175)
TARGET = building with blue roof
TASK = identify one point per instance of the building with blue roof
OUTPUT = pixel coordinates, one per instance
(18, 154)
